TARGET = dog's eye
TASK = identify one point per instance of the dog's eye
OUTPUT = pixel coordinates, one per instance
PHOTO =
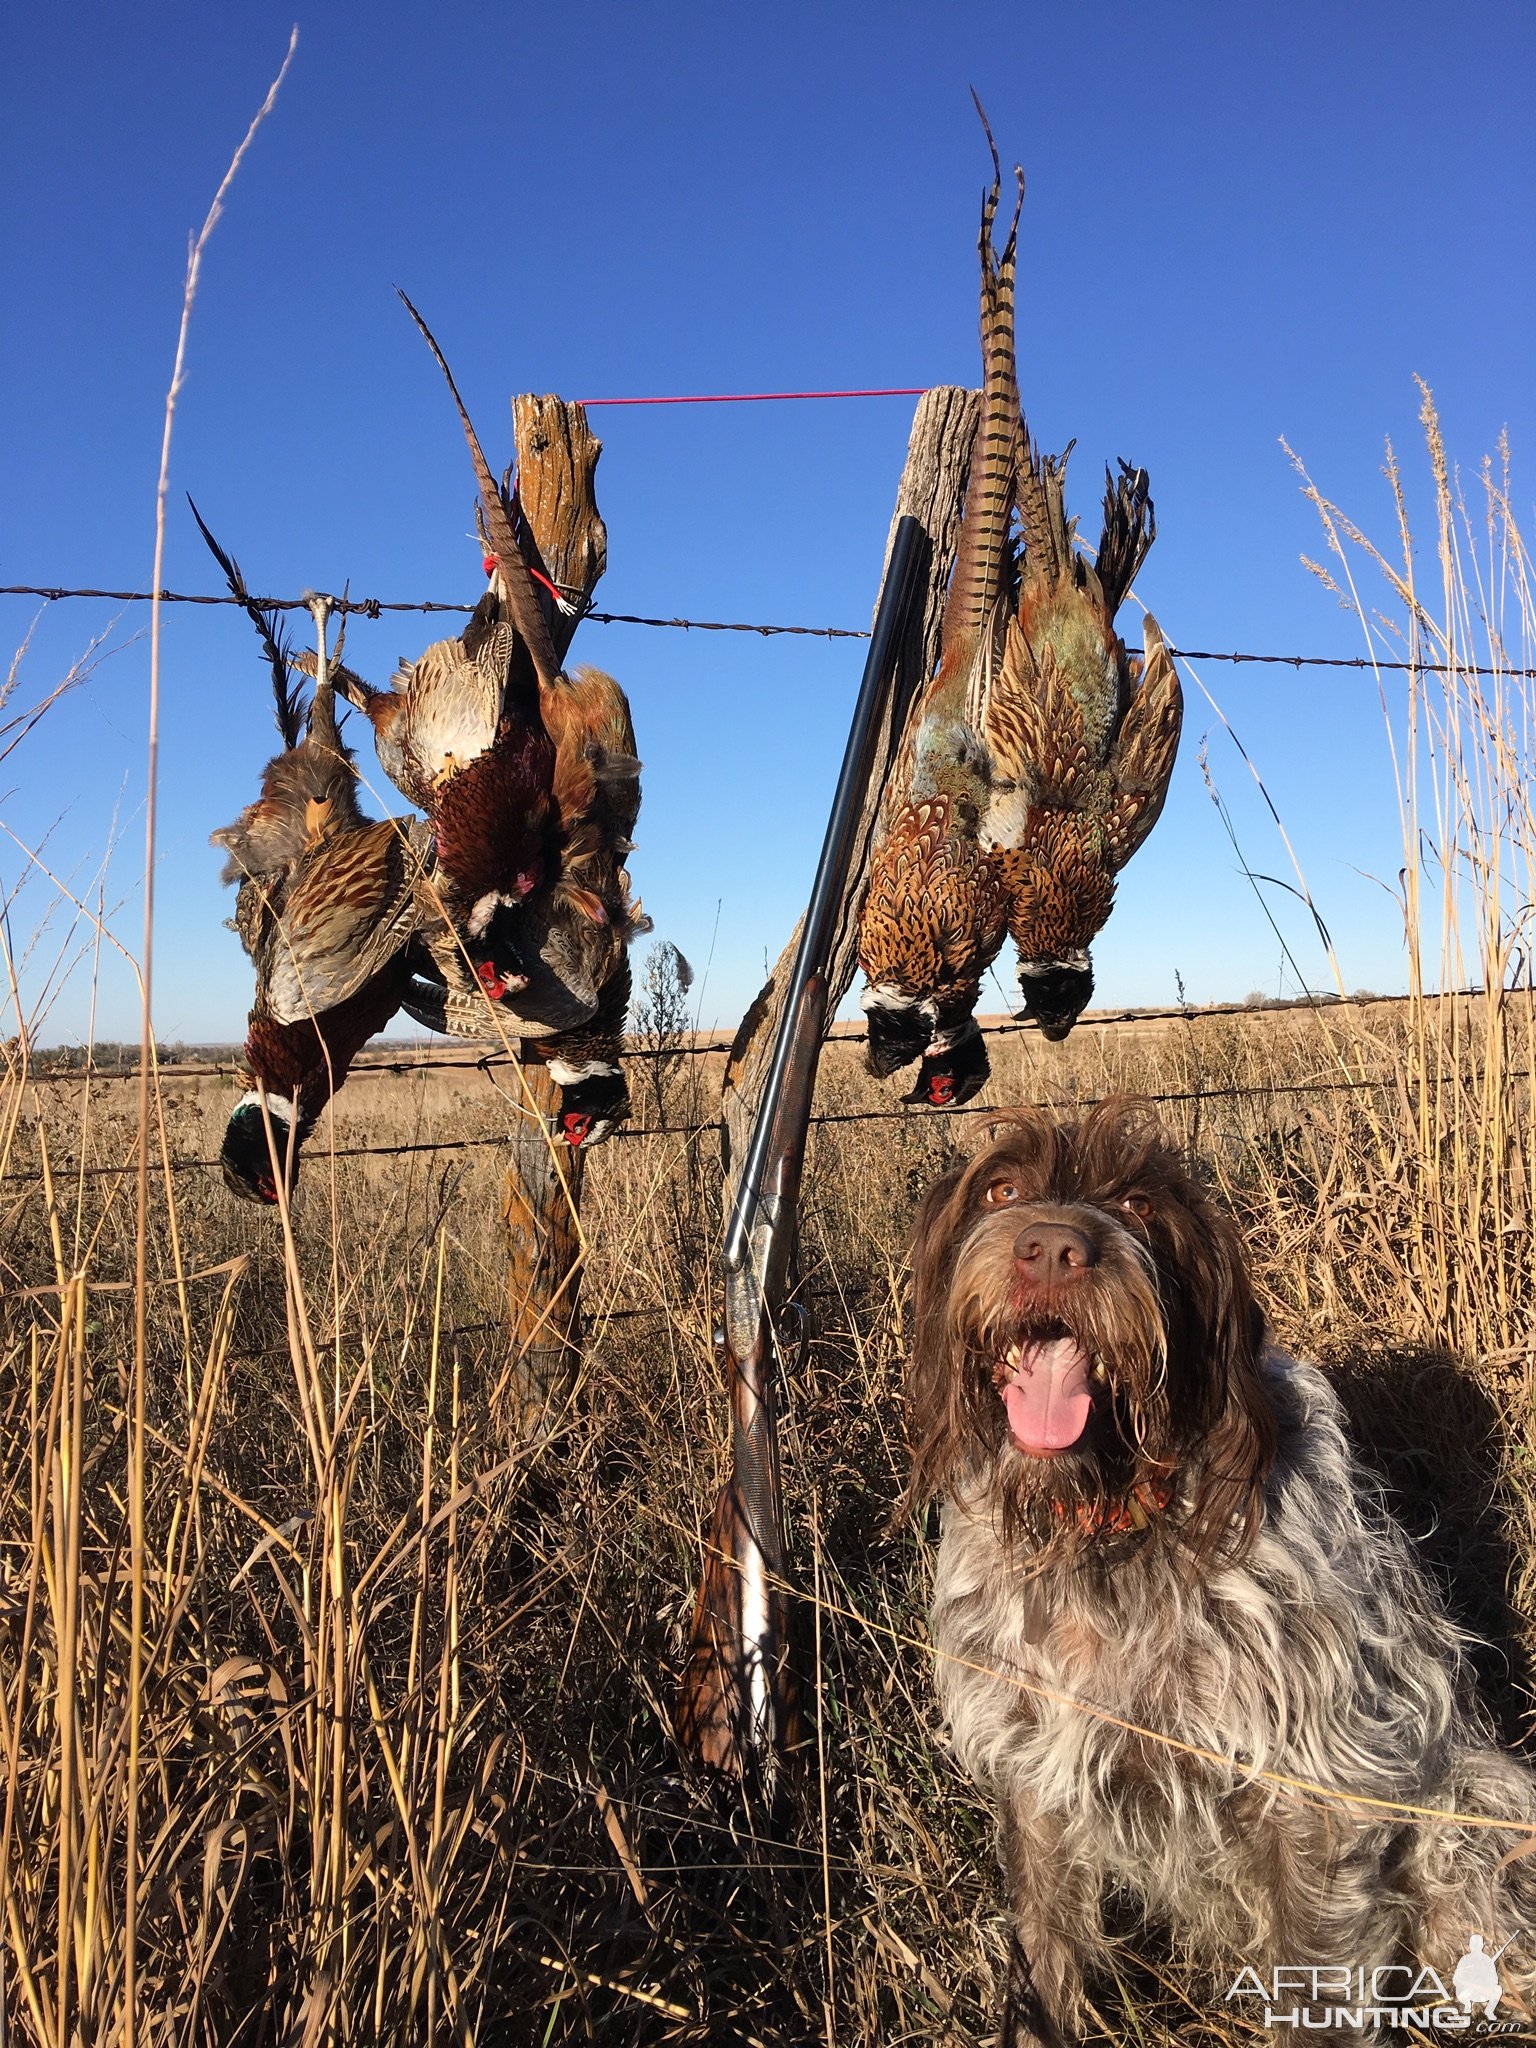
(1000, 1193)
(1137, 1204)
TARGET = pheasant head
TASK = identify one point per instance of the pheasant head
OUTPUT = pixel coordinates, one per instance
(250, 1164)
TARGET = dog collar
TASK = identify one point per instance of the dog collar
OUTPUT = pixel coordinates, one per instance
(1148, 1497)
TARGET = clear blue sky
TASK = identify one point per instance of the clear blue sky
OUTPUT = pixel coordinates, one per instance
(1242, 222)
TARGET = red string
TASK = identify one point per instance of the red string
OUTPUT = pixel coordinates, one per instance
(756, 397)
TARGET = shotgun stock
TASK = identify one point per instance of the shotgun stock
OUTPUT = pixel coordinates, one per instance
(738, 1707)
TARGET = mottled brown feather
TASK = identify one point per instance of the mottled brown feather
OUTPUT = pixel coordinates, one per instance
(936, 911)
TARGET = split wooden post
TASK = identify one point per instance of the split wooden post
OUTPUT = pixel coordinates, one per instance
(931, 491)
(557, 456)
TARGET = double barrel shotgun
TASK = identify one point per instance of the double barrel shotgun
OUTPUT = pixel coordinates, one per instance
(739, 1707)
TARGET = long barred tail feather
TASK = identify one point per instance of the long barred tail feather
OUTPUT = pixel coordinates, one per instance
(985, 564)
(527, 612)
(1049, 557)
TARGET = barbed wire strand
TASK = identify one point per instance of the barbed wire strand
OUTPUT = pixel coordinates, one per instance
(596, 1319)
(912, 1114)
(375, 607)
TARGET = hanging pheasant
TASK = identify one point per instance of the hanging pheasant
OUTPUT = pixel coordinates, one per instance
(1041, 755)
(325, 909)
(937, 908)
(1082, 737)
(576, 922)
(459, 734)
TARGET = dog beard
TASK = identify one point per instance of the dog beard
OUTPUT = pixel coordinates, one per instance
(1106, 1386)
(1066, 1394)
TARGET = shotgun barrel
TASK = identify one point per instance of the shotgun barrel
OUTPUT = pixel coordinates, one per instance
(896, 598)
(738, 1705)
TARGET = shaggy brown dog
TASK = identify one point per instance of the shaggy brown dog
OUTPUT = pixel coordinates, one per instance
(1180, 1644)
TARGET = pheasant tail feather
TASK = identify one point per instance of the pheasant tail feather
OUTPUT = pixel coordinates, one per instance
(1130, 527)
(527, 613)
(984, 565)
(280, 658)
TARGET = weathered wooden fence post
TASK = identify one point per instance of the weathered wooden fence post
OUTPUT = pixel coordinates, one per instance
(557, 456)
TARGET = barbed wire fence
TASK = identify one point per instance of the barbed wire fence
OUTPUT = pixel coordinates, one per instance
(375, 608)
(913, 1115)
(686, 1131)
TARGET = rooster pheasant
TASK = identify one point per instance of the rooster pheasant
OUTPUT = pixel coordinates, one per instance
(574, 933)
(458, 733)
(937, 907)
(575, 921)
(325, 910)
(1041, 754)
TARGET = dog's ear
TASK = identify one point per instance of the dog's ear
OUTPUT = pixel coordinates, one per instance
(932, 1379)
(1234, 1415)
(933, 1256)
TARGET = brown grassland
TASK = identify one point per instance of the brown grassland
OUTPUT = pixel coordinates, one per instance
(332, 1712)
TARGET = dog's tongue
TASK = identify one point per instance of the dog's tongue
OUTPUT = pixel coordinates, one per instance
(1046, 1393)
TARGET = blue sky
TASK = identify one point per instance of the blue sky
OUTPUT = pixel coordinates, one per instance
(1241, 223)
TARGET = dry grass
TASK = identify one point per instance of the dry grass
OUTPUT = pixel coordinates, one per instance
(404, 1770)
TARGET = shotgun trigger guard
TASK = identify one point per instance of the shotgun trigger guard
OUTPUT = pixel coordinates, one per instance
(791, 1332)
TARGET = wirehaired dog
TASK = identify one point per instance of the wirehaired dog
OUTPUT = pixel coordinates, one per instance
(1179, 1642)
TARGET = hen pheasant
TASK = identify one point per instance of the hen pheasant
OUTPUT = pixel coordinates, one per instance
(325, 909)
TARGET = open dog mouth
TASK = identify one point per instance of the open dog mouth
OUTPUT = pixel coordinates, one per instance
(1045, 1378)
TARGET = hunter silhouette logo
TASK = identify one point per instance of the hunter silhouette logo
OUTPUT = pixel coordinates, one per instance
(1475, 1979)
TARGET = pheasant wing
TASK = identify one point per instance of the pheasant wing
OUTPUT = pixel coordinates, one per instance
(349, 910)
(1141, 763)
(597, 776)
(1039, 734)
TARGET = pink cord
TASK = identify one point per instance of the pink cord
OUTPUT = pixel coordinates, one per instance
(755, 397)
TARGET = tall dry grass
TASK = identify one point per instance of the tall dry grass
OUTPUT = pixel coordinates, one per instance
(384, 1696)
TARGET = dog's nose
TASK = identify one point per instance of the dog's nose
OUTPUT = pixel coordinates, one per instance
(1054, 1253)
